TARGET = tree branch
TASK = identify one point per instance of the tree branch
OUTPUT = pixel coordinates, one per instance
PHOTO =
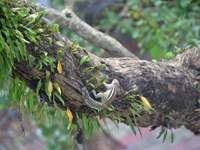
(171, 90)
(72, 22)
(170, 87)
(68, 5)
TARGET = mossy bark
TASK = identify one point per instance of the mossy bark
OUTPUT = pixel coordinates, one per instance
(169, 86)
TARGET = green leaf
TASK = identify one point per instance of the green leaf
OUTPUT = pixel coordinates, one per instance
(91, 129)
(60, 98)
(87, 69)
(93, 78)
(27, 10)
(85, 123)
(54, 102)
(24, 87)
(167, 116)
(83, 60)
(161, 133)
(199, 100)
(89, 59)
(104, 112)
(105, 124)
(95, 111)
(172, 137)
(60, 56)
(169, 55)
(88, 133)
(156, 51)
(100, 69)
(22, 108)
(42, 15)
(164, 136)
(77, 116)
(59, 43)
(46, 89)
(47, 75)
(102, 80)
(128, 92)
(92, 85)
(113, 120)
(93, 121)
(99, 126)
(53, 21)
(31, 60)
(50, 40)
(112, 106)
(47, 112)
(195, 41)
(134, 112)
(131, 124)
(74, 44)
(154, 60)
(38, 87)
(16, 82)
(119, 118)
(137, 125)
(30, 99)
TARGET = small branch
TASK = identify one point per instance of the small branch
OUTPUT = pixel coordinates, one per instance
(124, 10)
(69, 5)
(72, 22)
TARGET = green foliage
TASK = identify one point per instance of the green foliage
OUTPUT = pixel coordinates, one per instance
(74, 49)
(13, 37)
(172, 54)
(47, 60)
(136, 105)
(196, 42)
(167, 116)
(105, 123)
(164, 132)
(85, 59)
(199, 100)
(55, 134)
(89, 81)
(130, 123)
(157, 25)
(60, 98)
(91, 122)
(14, 34)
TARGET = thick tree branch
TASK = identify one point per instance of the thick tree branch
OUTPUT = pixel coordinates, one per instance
(170, 87)
(69, 20)
(171, 90)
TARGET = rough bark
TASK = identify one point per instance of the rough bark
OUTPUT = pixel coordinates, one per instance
(169, 86)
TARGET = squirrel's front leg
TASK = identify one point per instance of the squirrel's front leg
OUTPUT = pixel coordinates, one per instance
(99, 95)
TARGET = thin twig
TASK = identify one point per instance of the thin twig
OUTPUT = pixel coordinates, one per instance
(69, 4)
(74, 23)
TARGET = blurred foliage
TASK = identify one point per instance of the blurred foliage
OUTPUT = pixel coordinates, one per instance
(158, 25)
(55, 133)
(4, 99)
(161, 25)
(17, 29)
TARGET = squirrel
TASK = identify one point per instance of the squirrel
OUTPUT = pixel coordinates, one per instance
(106, 98)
